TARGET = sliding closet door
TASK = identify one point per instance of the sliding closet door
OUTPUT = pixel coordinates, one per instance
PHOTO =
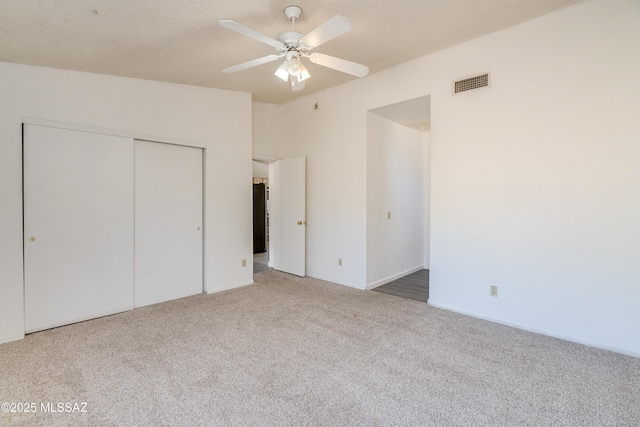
(78, 226)
(168, 222)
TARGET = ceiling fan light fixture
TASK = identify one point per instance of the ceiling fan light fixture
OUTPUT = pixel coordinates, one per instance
(282, 72)
(304, 73)
(296, 85)
(294, 66)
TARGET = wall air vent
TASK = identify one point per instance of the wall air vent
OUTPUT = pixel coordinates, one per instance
(471, 83)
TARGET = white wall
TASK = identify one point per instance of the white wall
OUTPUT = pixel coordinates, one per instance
(538, 192)
(266, 131)
(395, 200)
(219, 121)
(426, 152)
(534, 180)
(333, 138)
(260, 170)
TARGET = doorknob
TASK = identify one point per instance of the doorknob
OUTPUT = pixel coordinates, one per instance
(299, 222)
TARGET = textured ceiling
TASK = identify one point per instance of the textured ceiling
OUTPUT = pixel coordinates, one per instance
(180, 40)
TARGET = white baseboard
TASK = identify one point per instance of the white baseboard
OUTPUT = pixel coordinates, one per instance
(394, 277)
(351, 285)
(228, 288)
(11, 338)
(536, 331)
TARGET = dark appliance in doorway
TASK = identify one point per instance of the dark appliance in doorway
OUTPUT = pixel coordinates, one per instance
(259, 218)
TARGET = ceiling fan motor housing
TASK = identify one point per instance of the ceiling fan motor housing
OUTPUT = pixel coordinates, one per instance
(290, 38)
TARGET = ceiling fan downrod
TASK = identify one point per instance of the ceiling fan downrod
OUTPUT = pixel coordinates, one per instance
(293, 13)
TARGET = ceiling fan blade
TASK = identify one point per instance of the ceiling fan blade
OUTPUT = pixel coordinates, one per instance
(331, 29)
(343, 65)
(239, 28)
(253, 63)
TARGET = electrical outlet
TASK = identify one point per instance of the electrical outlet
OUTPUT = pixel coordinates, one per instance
(244, 262)
(493, 291)
(339, 262)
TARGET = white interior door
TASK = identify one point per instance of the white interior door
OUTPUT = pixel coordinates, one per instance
(168, 222)
(290, 230)
(78, 226)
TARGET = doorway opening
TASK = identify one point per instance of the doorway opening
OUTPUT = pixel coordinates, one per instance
(260, 216)
(398, 195)
(284, 216)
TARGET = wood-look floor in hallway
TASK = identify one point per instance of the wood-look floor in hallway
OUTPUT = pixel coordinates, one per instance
(414, 286)
(260, 262)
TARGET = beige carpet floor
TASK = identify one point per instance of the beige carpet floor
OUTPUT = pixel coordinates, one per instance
(292, 351)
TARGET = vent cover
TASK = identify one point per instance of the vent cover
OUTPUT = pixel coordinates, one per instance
(471, 83)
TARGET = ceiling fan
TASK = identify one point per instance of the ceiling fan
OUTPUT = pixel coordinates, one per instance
(293, 46)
